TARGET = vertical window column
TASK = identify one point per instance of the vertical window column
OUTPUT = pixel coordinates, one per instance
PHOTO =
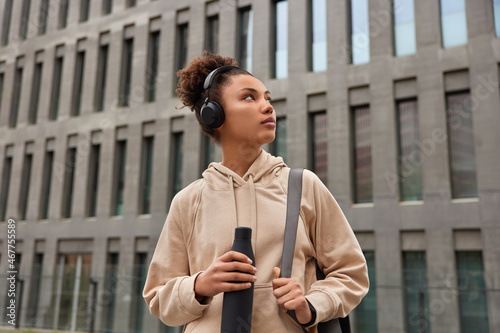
(278, 146)
(146, 175)
(25, 181)
(16, 92)
(138, 307)
(2, 82)
(43, 16)
(416, 292)
(462, 157)
(126, 66)
(280, 39)
(365, 314)
(453, 22)
(319, 149)
(153, 58)
(84, 10)
(110, 287)
(5, 185)
(102, 68)
(181, 44)
(410, 155)
(472, 296)
(359, 32)
(35, 88)
(93, 174)
(176, 163)
(212, 34)
(63, 13)
(76, 99)
(318, 56)
(48, 166)
(120, 162)
(496, 13)
(404, 27)
(69, 177)
(207, 152)
(245, 38)
(25, 15)
(35, 287)
(56, 82)
(107, 7)
(362, 154)
(7, 17)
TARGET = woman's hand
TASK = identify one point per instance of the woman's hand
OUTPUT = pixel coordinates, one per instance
(289, 296)
(220, 276)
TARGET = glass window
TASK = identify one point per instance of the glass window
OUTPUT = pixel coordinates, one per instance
(72, 289)
(318, 58)
(2, 81)
(212, 34)
(365, 314)
(16, 94)
(181, 50)
(119, 177)
(6, 173)
(25, 15)
(35, 93)
(110, 286)
(69, 179)
(56, 87)
(472, 296)
(453, 22)
(461, 146)
(35, 288)
(410, 155)
(415, 290)
(93, 179)
(107, 7)
(46, 184)
(131, 3)
(76, 101)
(126, 71)
(138, 307)
(496, 13)
(278, 146)
(245, 38)
(146, 175)
(362, 155)
(319, 149)
(25, 186)
(281, 39)
(152, 67)
(102, 68)
(360, 32)
(177, 156)
(63, 13)
(404, 28)
(84, 10)
(43, 16)
(7, 17)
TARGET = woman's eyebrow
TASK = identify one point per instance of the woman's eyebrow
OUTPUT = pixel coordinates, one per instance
(255, 90)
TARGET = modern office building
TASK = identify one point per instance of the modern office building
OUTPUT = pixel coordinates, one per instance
(394, 104)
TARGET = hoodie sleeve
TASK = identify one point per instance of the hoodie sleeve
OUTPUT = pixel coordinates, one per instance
(337, 252)
(169, 288)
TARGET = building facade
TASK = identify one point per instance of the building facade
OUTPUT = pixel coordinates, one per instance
(394, 104)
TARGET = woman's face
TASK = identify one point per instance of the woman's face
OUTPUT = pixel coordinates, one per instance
(249, 116)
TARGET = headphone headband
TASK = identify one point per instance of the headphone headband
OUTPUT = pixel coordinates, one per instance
(213, 74)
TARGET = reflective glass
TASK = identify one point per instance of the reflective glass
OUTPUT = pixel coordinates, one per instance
(281, 52)
(360, 38)
(404, 27)
(453, 22)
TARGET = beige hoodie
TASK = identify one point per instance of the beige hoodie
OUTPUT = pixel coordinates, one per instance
(200, 228)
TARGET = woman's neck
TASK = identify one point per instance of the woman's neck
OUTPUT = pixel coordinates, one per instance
(239, 157)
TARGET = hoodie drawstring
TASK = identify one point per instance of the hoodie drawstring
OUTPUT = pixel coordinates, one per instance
(253, 208)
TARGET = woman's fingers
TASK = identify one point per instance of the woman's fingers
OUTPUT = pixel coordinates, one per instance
(235, 256)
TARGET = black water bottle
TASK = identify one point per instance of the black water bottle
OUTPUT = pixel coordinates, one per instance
(237, 306)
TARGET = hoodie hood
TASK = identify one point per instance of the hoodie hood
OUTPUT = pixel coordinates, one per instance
(264, 169)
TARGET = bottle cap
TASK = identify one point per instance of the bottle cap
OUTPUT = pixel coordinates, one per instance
(243, 233)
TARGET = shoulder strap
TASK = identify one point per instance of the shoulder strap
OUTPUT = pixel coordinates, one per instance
(292, 220)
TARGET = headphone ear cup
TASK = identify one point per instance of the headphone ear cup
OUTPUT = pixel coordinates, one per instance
(212, 115)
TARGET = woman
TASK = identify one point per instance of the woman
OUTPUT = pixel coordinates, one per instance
(193, 266)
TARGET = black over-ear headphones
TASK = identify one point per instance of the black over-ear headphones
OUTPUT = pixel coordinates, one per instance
(211, 113)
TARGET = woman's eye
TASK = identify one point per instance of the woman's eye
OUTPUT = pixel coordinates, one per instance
(249, 97)
(269, 100)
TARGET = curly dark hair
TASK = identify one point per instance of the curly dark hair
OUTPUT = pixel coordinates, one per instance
(190, 86)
